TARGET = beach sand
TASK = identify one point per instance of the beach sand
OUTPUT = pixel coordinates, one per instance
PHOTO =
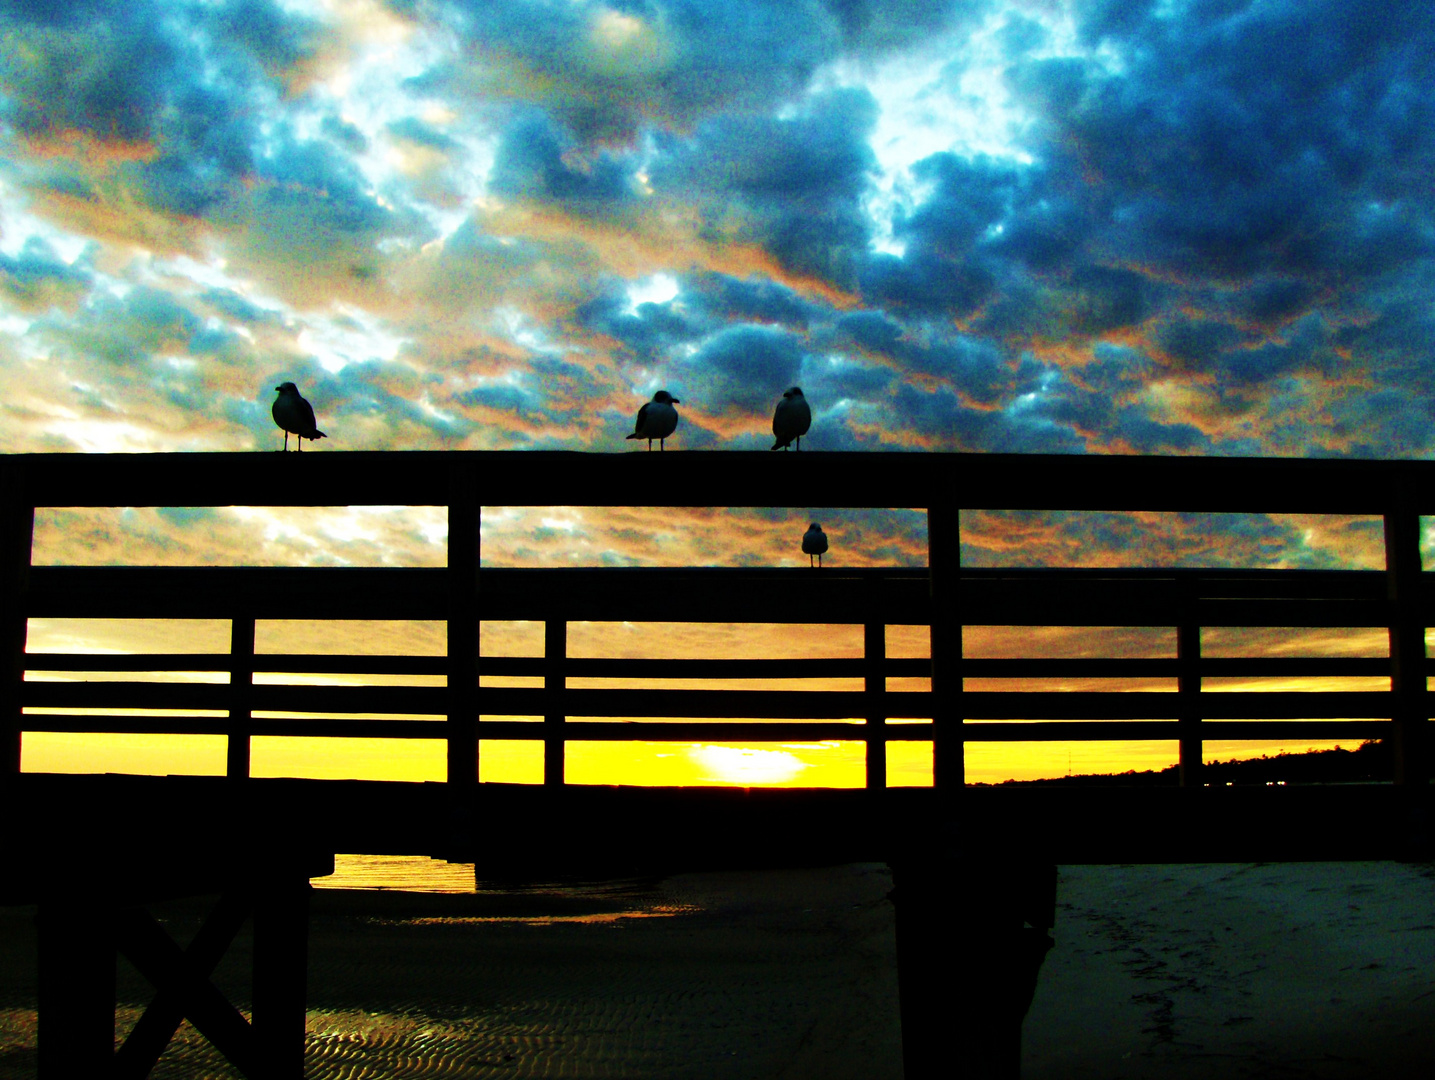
(1294, 970)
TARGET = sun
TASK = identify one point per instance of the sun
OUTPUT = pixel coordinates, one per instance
(746, 766)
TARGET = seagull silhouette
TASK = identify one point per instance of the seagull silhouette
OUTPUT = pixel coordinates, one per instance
(791, 419)
(657, 419)
(293, 413)
(814, 542)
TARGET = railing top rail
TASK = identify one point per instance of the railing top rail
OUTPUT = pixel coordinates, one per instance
(724, 478)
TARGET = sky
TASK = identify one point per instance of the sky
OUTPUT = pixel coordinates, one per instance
(1026, 226)
(1032, 226)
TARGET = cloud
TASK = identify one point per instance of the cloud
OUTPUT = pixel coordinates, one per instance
(607, 71)
(1128, 228)
(794, 186)
(742, 370)
(36, 278)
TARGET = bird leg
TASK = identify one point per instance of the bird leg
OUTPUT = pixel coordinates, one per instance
(286, 440)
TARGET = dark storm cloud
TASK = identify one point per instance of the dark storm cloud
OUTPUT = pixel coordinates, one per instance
(792, 185)
(827, 383)
(649, 62)
(532, 163)
(106, 73)
(1306, 347)
(743, 369)
(1136, 432)
(1241, 140)
(278, 40)
(187, 83)
(752, 300)
(978, 368)
(877, 26)
(1246, 190)
(649, 331)
(943, 422)
(948, 265)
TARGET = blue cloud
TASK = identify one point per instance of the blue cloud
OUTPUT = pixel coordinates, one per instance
(743, 369)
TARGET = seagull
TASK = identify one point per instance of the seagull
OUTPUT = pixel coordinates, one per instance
(791, 419)
(814, 542)
(293, 413)
(657, 419)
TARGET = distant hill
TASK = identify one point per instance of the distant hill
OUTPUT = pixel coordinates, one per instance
(1369, 762)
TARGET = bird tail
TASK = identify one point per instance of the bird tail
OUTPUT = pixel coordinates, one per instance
(635, 435)
(316, 434)
(780, 444)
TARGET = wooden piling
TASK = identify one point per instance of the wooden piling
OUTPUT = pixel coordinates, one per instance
(281, 951)
(76, 955)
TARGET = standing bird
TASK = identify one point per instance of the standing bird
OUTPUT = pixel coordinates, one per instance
(814, 542)
(657, 419)
(293, 413)
(791, 419)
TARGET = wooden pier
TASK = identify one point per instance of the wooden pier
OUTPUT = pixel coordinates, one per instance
(987, 852)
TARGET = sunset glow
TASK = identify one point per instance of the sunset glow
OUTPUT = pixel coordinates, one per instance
(1015, 226)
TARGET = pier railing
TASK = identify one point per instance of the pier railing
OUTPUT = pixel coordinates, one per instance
(945, 596)
(984, 855)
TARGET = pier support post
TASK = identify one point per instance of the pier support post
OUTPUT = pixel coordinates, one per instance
(76, 953)
(281, 966)
(971, 937)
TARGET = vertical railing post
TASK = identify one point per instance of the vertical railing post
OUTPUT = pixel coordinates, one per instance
(944, 568)
(555, 657)
(17, 529)
(463, 635)
(1410, 719)
(241, 696)
(1188, 699)
(874, 656)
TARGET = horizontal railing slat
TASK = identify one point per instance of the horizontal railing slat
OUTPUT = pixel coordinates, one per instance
(324, 664)
(727, 732)
(85, 723)
(717, 704)
(316, 663)
(731, 478)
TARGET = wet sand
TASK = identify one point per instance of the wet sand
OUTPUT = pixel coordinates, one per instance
(1303, 970)
(1318, 970)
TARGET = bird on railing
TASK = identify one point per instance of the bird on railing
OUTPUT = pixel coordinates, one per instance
(657, 419)
(294, 414)
(791, 419)
(814, 542)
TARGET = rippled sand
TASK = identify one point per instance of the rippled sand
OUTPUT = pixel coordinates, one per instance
(784, 973)
(1324, 971)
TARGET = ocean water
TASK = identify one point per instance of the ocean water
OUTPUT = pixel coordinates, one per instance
(402, 873)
